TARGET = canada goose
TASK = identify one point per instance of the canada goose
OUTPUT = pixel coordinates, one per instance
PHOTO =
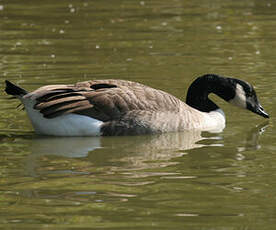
(119, 107)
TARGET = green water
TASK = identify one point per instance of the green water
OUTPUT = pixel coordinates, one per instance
(221, 181)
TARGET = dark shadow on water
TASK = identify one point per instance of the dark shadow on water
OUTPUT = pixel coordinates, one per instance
(127, 151)
(132, 151)
(82, 146)
(252, 138)
(254, 133)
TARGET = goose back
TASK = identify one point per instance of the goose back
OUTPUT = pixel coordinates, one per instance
(124, 107)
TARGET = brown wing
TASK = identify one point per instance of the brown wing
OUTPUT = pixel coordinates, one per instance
(101, 99)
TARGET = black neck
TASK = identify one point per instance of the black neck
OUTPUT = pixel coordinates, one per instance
(197, 95)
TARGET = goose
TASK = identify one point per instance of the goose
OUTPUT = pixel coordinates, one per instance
(120, 107)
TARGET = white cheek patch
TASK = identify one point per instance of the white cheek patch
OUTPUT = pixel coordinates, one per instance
(240, 98)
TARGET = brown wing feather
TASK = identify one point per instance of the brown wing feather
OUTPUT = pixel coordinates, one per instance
(101, 99)
(56, 95)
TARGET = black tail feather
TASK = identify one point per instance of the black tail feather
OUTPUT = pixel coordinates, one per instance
(13, 89)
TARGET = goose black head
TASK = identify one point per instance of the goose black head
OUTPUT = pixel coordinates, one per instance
(245, 97)
(232, 90)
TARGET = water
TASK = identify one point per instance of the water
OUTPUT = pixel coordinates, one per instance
(171, 181)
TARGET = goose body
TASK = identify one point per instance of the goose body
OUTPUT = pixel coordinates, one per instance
(119, 107)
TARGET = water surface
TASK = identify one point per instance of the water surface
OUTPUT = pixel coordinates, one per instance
(187, 180)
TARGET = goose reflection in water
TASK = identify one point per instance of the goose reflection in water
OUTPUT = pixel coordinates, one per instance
(136, 152)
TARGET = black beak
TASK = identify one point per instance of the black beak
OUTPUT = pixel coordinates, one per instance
(259, 110)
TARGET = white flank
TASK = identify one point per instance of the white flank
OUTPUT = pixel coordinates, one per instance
(64, 125)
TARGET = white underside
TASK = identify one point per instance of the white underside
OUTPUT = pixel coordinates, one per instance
(214, 121)
(65, 125)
